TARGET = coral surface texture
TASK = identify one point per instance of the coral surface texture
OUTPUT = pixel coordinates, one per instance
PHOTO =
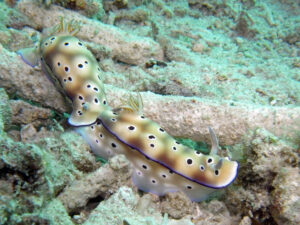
(220, 78)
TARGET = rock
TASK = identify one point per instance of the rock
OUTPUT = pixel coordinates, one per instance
(28, 132)
(267, 180)
(177, 205)
(102, 182)
(19, 79)
(120, 209)
(55, 213)
(117, 209)
(245, 221)
(25, 113)
(124, 47)
(216, 213)
(5, 111)
(37, 172)
(285, 200)
(190, 117)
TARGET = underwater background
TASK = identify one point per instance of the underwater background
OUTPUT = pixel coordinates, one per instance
(230, 65)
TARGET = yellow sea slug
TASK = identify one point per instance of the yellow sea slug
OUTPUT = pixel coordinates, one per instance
(73, 68)
(160, 163)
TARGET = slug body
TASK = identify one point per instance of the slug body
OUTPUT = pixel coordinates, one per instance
(66, 59)
(74, 70)
(160, 163)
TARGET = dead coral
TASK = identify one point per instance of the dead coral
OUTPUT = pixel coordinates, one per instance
(25, 113)
(124, 47)
(11, 3)
(266, 157)
(31, 174)
(243, 26)
(215, 213)
(285, 198)
(71, 4)
(21, 80)
(190, 117)
(114, 5)
(5, 111)
(177, 205)
(215, 7)
(137, 15)
(103, 182)
(12, 18)
(88, 8)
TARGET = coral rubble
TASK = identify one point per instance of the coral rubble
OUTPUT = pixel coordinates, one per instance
(231, 65)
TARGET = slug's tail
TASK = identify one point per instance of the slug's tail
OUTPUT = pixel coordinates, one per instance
(29, 56)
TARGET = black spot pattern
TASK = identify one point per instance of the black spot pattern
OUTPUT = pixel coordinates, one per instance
(189, 161)
(113, 145)
(131, 128)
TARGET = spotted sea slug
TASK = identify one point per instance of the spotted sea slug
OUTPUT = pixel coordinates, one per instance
(73, 68)
(160, 163)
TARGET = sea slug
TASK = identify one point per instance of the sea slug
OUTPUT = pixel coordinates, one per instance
(74, 70)
(160, 163)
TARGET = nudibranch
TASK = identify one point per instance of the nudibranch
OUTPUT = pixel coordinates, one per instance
(160, 163)
(73, 68)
